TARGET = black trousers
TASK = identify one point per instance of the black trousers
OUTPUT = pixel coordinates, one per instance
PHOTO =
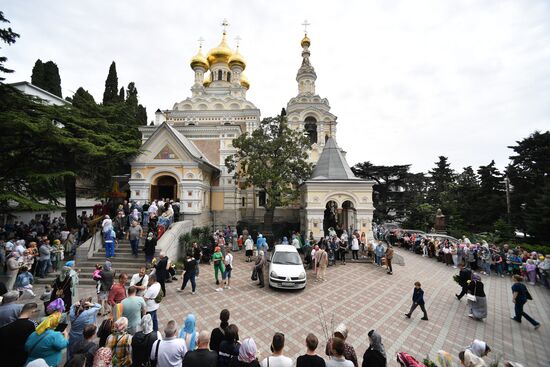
(463, 292)
(413, 307)
(162, 286)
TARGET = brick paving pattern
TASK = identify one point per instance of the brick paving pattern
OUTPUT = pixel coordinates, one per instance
(365, 297)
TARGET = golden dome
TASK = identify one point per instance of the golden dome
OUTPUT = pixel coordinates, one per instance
(237, 59)
(244, 81)
(305, 41)
(222, 53)
(207, 79)
(199, 60)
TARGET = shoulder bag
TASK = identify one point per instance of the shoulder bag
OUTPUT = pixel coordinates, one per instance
(472, 297)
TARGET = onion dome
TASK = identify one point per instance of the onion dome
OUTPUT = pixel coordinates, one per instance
(222, 53)
(244, 82)
(305, 41)
(199, 60)
(237, 59)
(207, 79)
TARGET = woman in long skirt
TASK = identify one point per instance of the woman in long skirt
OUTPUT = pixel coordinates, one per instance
(478, 308)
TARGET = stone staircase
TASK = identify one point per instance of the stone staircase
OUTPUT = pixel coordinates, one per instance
(123, 262)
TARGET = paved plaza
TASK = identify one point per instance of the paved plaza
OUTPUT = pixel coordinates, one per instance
(365, 297)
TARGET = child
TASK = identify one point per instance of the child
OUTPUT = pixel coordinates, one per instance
(46, 296)
(97, 277)
(418, 300)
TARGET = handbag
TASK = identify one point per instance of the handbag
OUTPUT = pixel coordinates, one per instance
(254, 274)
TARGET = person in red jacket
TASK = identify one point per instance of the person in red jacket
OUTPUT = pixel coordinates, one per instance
(118, 290)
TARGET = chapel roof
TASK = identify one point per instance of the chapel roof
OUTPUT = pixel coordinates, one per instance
(332, 164)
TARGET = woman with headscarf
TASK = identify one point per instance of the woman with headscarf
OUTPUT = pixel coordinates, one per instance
(217, 259)
(188, 332)
(341, 331)
(479, 348)
(81, 314)
(135, 215)
(45, 342)
(476, 299)
(247, 355)
(531, 270)
(150, 244)
(62, 286)
(142, 342)
(375, 355)
(120, 343)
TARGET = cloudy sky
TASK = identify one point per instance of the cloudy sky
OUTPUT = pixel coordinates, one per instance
(408, 80)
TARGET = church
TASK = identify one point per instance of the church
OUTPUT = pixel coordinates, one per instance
(183, 152)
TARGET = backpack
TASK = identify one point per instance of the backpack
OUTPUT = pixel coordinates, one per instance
(103, 357)
(406, 360)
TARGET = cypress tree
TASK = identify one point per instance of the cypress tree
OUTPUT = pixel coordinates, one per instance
(46, 76)
(121, 94)
(110, 96)
(37, 77)
(52, 80)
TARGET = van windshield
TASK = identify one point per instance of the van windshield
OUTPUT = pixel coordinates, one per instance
(286, 258)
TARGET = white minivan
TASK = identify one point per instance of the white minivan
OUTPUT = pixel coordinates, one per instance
(286, 269)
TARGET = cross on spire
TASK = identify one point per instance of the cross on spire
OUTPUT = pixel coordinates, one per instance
(201, 40)
(225, 24)
(238, 40)
(306, 24)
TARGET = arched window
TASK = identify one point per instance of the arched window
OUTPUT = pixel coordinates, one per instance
(228, 76)
(220, 75)
(310, 128)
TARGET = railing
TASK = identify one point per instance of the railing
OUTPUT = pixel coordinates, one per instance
(169, 241)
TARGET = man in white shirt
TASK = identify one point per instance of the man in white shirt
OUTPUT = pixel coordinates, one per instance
(140, 281)
(277, 359)
(169, 352)
(151, 306)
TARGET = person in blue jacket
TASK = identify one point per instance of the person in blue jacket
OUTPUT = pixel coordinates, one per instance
(418, 300)
(46, 343)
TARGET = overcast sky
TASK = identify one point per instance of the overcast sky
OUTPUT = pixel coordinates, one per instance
(408, 80)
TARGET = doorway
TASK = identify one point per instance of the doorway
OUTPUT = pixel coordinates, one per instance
(165, 187)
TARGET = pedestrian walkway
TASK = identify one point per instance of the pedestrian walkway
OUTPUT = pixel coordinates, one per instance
(365, 297)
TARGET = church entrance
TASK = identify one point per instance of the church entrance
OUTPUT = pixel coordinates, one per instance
(165, 187)
(339, 218)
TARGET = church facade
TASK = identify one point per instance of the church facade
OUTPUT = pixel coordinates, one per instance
(184, 151)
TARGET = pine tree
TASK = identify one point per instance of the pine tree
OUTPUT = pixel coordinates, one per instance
(8, 36)
(110, 96)
(83, 100)
(121, 96)
(141, 115)
(442, 177)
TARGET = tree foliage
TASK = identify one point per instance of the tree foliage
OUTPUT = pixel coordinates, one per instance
(110, 95)
(46, 76)
(274, 158)
(8, 36)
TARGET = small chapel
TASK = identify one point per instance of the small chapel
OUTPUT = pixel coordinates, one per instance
(184, 149)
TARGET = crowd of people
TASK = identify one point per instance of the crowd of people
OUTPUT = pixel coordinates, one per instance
(129, 334)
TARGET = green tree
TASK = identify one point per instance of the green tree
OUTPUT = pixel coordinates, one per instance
(46, 76)
(491, 199)
(527, 172)
(388, 191)
(132, 101)
(8, 36)
(465, 194)
(37, 76)
(110, 95)
(537, 214)
(441, 180)
(121, 94)
(274, 158)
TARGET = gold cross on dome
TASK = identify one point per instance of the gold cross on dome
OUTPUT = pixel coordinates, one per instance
(238, 40)
(306, 24)
(225, 24)
(201, 40)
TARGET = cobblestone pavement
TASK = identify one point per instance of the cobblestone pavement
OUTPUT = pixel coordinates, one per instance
(365, 297)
